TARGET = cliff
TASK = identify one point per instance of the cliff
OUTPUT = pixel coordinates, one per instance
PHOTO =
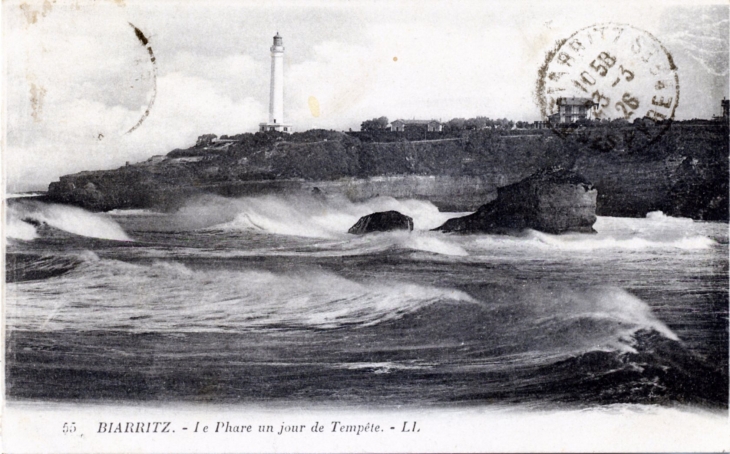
(684, 172)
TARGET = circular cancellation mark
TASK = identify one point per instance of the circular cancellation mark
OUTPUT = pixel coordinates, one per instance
(608, 72)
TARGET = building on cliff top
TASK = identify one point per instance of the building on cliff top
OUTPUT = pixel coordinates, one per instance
(571, 110)
(276, 93)
(429, 125)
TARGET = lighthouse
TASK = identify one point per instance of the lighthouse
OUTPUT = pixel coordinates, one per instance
(276, 90)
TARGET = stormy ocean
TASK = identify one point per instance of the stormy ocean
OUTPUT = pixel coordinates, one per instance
(267, 299)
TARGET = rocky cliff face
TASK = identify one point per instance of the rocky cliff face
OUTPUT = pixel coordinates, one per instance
(684, 173)
(552, 201)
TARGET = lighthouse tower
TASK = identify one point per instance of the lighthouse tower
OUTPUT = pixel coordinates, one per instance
(276, 94)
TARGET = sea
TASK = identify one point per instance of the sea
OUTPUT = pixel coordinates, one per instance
(268, 300)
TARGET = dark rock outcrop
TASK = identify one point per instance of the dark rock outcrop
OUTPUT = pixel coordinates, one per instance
(682, 173)
(552, 201)
(382, 222)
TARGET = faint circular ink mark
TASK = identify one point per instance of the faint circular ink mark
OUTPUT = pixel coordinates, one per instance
(145, 43)
(608, 72)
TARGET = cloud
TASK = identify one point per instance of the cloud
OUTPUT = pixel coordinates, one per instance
(77, 86)
(83, 134)
(354, 68)
(78, 78)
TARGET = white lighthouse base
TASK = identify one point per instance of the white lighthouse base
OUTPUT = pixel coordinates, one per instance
(281, 127)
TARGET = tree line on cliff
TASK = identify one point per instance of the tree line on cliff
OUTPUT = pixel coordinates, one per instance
(455, 124)
(481, 122)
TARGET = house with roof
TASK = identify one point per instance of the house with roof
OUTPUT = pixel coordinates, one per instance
(428, 125)
(571, 110)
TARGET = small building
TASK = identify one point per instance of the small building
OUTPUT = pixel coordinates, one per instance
(428, 125)
(571, 110)
(539, 125)
(263, 127)
(725, 109)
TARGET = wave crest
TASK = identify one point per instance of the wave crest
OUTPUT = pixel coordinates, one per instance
(63, 217)
(302, 215)
(590, 243)
(169, 296)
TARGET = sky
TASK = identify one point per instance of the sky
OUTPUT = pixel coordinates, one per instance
(78, 79)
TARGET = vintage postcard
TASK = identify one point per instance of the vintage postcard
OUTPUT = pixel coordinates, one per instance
(382, 226)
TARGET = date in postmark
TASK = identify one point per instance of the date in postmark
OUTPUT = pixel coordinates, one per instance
(608, 72)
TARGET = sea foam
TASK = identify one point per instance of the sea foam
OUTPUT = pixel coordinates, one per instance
(67, 218)
(305, 216)
(169, 296)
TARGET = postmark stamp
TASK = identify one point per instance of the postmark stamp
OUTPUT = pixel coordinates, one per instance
(608, 72)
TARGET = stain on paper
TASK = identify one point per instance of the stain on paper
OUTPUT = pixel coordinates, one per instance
(314, 106)
(31, 14)
(37, 94)
(146, 44)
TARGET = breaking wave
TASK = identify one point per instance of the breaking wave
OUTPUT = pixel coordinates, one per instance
(171, 297)
(19, 230)
(505, 339)
(168, 296)
(656, 231)
(305, 216)
(25, 218)
(581, 243)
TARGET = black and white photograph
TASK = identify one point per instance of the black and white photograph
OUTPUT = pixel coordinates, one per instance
(350, 226)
